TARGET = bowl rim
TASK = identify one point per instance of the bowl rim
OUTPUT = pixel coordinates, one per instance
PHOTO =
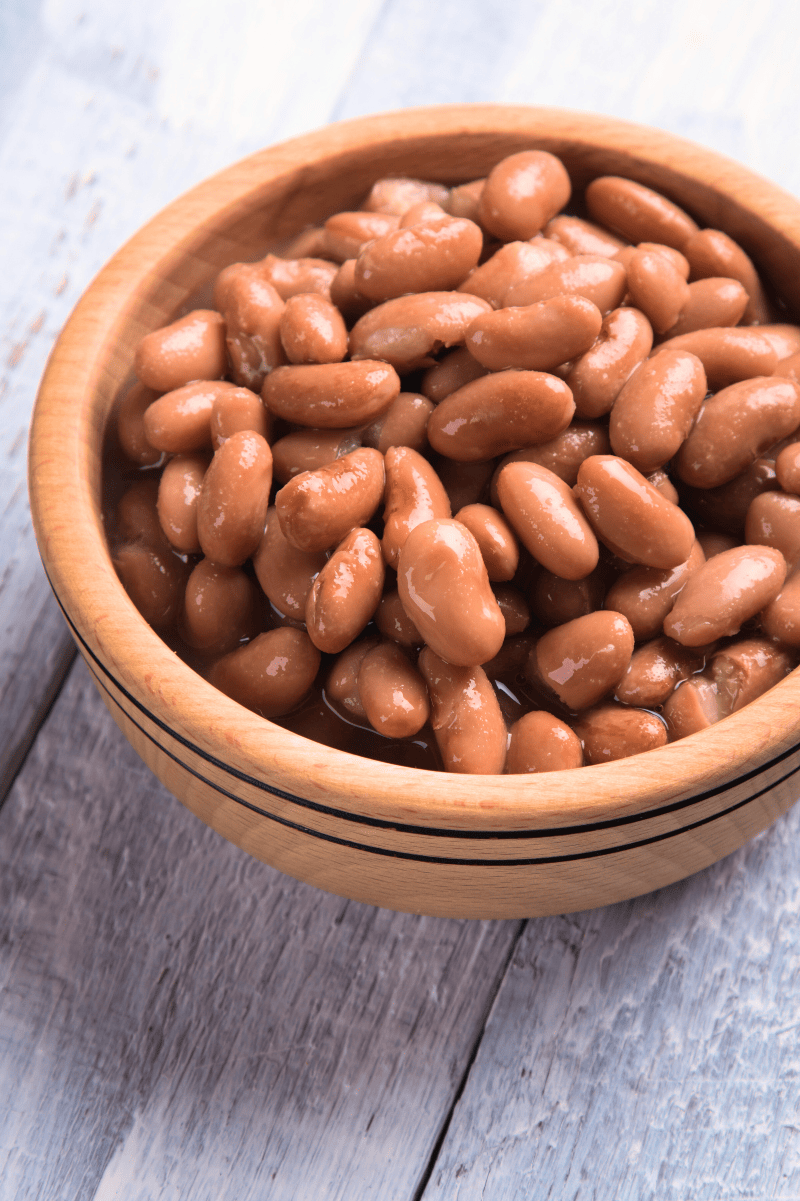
(87, 362)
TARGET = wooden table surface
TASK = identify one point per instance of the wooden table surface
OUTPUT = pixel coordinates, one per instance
(180, 1021)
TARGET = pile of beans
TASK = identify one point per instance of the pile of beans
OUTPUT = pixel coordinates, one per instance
(468, 481)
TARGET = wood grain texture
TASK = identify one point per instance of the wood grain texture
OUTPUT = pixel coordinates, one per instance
(192, 1024)
(647, 1050)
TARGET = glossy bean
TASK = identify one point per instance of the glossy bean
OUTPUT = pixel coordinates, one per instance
(657, 287)
(272, 674)
(595, 277)
(408, 331)
(547, 519)
(427, 257)
(514, 607)
(136, 515)
(191, 348)
(393, 693)
(445, 590)
(787, 468)
(464, 199)
(396, 196)
(613, 732)
(784, 338)
(285, 573)
(456, 368)
(583, 660)
(331, 395)
(712, 253)
(633, 520)
(744, 670)
(500, 412)
(522, 192)
(154, 579)
(735, 426)
(317, 508)
(312, 330)
(130, 426)
(663, 484)
(645, 595)
(725, 593)
(539, 742)
(790, 368)
(346, 234)
(238, 410)
(638, 213)
(691, 707)
(232, 509)
(538, 337)
(393, 621)
(414, 493)
(656, 408)
(781, 617)
(221, 607)
(597, 377)
(178, 496)
(654, 671)
(341, 686)
(510, 265)
(467, 721)
(562, 454)
(290, 277)
(252, 309)
(728, 355)
(404, 423)
(496, 539)
(180, 421)
(773, 519)
(307, 450)
(346, 592)
(582, 237)
(345, 294)
(711, 304)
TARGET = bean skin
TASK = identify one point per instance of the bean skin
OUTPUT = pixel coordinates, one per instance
(180, 421)
(285, 573)
(392, 692)
(272, 674)
(654, 671)
(290, 277)
(657, 287)
(393, 621)
(728, 355)
(221, 607)
(596, 278)
(467, 721)
(407, 331)
(404, 423)
(692, 707)
(496, 540)
(547, 519)
(500, 412)
(312, 330)
(633, 520)
(582, 237)
(538, 337)
(773, 519)
(178, 496)
(711, 304)
(781, 617)
(613, 732)
(331, 395)
(725, 593)
(308, 450)
(345, 294)
(193, 347)
(637, 212)
(645, 595)
(522, 193)
(712, 253)
(745, 670)
(429, 257)
(445, 590)
(597, 377)
(346, 592)
(136, 515)
(725, 508)
(130, 426)
(541, 742)
(556, 600)
(515, 609)
(341, 686)
(414, 493)
(396, 196)
(317, 508)
(512, 264)
(347, 233)
(238, 410)
(252, 310)
(563, 454)
(453, 370)
(583, 660)
(655, 409)
(232, 509)
(787, 468)
(735, 426)
(154, 579)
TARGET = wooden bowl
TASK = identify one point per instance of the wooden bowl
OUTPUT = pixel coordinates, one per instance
(419, 841)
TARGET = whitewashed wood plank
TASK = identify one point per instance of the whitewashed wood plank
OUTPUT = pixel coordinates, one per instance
(649, 1050)
(180, 1021)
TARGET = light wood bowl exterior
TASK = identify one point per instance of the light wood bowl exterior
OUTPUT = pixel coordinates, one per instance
(418, 841)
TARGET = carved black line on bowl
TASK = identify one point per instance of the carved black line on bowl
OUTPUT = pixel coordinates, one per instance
(443, 860)
(427, 831)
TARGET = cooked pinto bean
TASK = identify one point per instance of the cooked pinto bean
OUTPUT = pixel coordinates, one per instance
(271, 674)
(724, 593)
(193, 347)
(541, 742)
(469, 727)
(583, 660)
(317, 508)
